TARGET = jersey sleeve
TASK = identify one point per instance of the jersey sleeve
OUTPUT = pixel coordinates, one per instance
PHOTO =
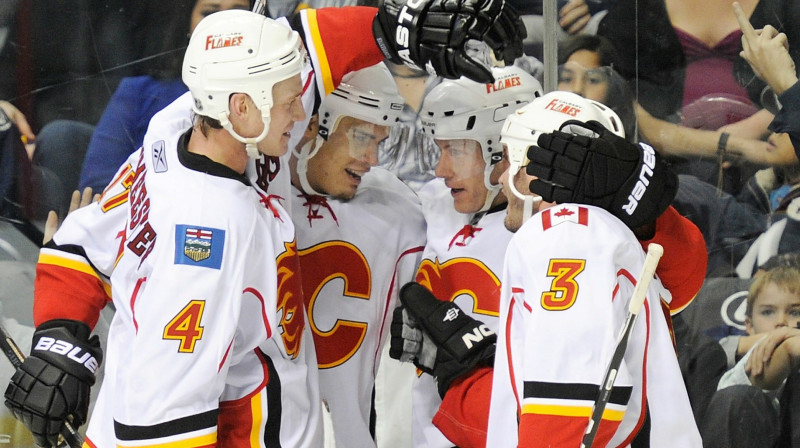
(463, 415)
(73, 270)
(339, 41)
(682, 269)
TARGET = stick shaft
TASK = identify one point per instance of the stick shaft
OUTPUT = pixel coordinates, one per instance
(654, 252)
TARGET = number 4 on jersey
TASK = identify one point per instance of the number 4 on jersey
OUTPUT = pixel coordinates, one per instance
(185, 326)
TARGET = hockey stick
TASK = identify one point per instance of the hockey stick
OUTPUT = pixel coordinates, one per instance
(15, 356)
(260, 7)
(654, 252)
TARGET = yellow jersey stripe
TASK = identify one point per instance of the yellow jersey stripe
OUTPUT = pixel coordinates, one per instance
(322, 59)
(571, 411)
(46, 257)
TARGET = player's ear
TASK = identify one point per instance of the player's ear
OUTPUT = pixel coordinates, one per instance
(239, 104)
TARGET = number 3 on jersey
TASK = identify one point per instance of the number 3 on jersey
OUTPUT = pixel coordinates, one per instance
(563, 288)
(185, 326)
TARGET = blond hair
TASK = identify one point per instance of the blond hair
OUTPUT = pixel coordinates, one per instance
(785, 277)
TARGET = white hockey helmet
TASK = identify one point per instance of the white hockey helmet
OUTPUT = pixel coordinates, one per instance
(463, 109)
(369, 94)
(551, 112)
(236, 51)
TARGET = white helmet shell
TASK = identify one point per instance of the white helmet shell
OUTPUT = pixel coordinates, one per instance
(236, 51)
(464, 109)
(549, 113)
(369, 94)
(546, 114)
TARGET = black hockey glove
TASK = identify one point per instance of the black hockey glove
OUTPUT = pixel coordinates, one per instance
(450, 344)
(435, 32)
(52, 384)
(631, 181)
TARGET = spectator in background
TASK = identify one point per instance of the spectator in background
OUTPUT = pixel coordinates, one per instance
(19, 120)
(691, 75)
(121, 129)
(574, 17)
(768, 55)
(772, 316)
(729, 223)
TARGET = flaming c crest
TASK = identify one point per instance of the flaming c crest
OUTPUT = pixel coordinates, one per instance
(290, 300)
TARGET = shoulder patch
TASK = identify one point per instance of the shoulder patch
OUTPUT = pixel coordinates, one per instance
(199, 246)
(560, 214)
(159, 157)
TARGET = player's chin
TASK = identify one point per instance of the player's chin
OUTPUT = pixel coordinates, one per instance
(513, 221)
(274, 148)
(345, 194)
(466, 204)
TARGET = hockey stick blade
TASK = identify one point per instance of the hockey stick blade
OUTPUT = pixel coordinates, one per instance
(654, 253)
(15, 356)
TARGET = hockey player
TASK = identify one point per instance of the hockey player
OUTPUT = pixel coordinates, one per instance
(464, 208)
(561, 309)
(360, 232)
(473, 389)
(199, 323)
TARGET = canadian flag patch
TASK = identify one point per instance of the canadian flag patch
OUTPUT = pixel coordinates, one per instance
(565, 213)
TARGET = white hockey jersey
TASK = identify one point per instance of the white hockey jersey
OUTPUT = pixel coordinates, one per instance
(568, 277)
(354, 257)
(207, 342)
(462, 262)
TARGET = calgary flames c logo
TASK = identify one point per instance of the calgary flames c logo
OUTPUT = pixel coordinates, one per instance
(447, 281)
(290, 300)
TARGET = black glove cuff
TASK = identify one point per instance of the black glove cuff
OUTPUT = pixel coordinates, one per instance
(650, 193)
(76, 328)
(484, 358)
(382, 39)
(66, 344)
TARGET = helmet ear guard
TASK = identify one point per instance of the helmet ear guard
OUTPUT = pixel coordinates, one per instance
(236, 51)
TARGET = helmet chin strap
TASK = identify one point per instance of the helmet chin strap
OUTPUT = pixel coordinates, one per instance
(492, 189)
(306, 153)
(528, 200)
(491, 193)
(250, 143)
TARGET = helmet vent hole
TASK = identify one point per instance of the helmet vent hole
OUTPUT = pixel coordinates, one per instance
(471, 123)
